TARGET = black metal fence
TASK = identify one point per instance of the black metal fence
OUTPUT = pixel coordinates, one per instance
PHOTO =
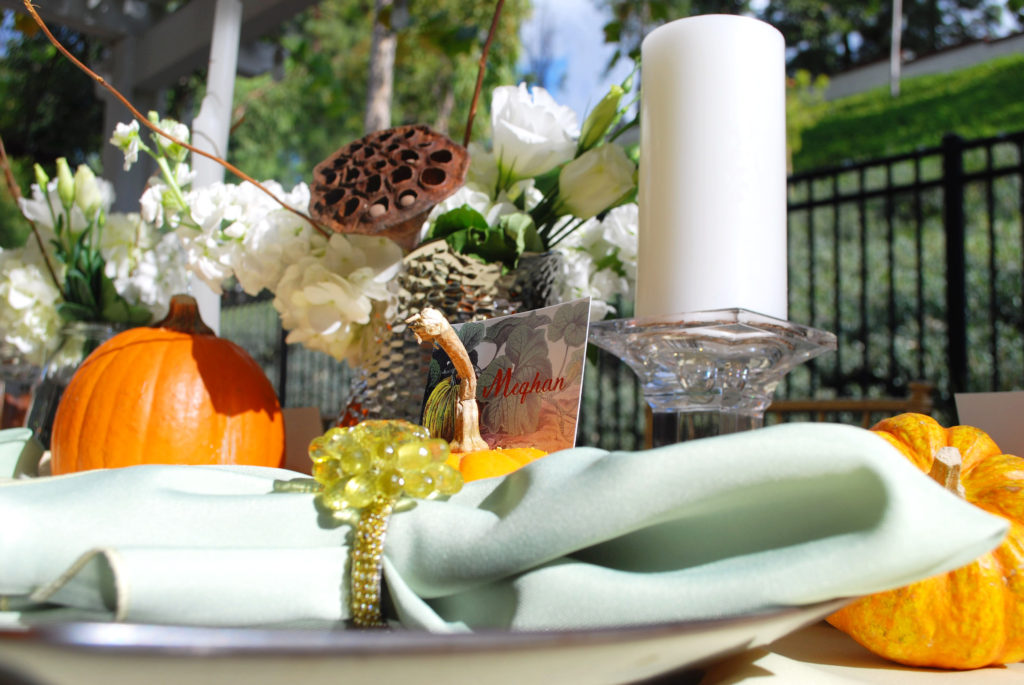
(914, 261)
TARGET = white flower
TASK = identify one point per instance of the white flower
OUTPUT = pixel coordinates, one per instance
(619, 230)
(531, 133)
(146, 267)
(595, 180)
(211, 247)
(151, 204)
(175, 129)
(271, 236)
(43, 207)
(477, 200)
(612, 244)
(28, 315)
(126, 139)
(325, 301)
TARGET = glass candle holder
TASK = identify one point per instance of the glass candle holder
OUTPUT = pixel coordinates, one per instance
(711, 372)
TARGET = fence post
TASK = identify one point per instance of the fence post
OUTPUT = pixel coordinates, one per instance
(956, 281)
(282, 360)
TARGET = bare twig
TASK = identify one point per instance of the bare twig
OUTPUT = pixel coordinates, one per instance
(148, 124)
(481, 70)
(15, 191)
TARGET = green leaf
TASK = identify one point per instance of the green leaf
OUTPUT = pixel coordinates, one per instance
(73, 311)
(455, 220)
(521, 229)
(116, 309)
(486, 244)
(471, 334)
(77, 289)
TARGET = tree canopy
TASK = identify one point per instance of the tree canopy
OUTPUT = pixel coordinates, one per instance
(829, 37)
(286, 126)
(48, 109)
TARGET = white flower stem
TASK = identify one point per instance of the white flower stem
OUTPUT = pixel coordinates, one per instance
(172, 185)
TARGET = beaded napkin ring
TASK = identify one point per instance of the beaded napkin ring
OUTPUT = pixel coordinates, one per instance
(364, 471)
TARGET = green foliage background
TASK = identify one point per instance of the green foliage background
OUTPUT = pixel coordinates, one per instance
(288, 125)
(982, 100)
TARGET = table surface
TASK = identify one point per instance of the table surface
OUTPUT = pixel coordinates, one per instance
(822, 655)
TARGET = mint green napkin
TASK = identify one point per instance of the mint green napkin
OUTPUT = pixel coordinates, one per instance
(19, 453)
(783, 516)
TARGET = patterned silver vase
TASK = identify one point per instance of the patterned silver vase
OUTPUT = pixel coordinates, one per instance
(390, 382)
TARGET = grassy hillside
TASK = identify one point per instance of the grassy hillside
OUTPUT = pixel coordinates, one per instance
(983, 100)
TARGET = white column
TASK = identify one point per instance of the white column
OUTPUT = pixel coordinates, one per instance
(212, 124)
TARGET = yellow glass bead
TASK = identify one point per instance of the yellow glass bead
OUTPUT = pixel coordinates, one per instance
(413, 456)
(360, 490)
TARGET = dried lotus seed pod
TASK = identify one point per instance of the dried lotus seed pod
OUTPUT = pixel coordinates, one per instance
(387, 182)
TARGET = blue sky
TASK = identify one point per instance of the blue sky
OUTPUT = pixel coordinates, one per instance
(578, 50)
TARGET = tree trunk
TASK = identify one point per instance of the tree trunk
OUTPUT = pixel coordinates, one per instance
(382, 68)
(447, 106)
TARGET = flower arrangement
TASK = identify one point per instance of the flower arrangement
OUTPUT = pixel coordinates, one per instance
(82, 263)
(541, 185)
(544, 183)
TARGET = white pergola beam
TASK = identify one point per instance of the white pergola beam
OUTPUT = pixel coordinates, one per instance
(180, 42)
(172, 46)
(102, 18)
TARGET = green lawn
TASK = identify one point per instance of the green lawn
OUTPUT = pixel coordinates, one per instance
(983, 100)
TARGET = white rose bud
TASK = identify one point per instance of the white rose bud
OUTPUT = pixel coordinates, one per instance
(87, 191)
(595, 180)
(65, 183)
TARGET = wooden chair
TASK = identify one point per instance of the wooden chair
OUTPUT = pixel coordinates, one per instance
(869, 410)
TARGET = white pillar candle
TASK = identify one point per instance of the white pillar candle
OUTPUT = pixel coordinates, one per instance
(712, 187)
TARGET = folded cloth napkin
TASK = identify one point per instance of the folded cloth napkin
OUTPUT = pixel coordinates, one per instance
(783, 516)
(19, 453)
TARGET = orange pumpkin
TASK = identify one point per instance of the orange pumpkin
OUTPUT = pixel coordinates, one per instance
(173, 393)
(492, 463)
(970, 617)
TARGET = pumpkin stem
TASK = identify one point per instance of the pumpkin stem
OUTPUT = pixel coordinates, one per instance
(183, 316)
(431, 326)
(946, 469)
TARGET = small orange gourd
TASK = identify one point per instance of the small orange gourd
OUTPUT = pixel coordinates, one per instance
(970, 617)
(491, 463)
(173, 393)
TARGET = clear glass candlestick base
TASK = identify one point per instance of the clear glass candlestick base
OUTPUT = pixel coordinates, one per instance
(711, 372)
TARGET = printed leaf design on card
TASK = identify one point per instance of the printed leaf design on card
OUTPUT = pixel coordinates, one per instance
(512, 402)
(571, 324)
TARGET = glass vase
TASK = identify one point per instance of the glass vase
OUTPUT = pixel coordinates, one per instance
(77, 340)
(17, 374)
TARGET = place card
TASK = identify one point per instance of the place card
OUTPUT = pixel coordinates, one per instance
(529, 375)
(997, 413)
